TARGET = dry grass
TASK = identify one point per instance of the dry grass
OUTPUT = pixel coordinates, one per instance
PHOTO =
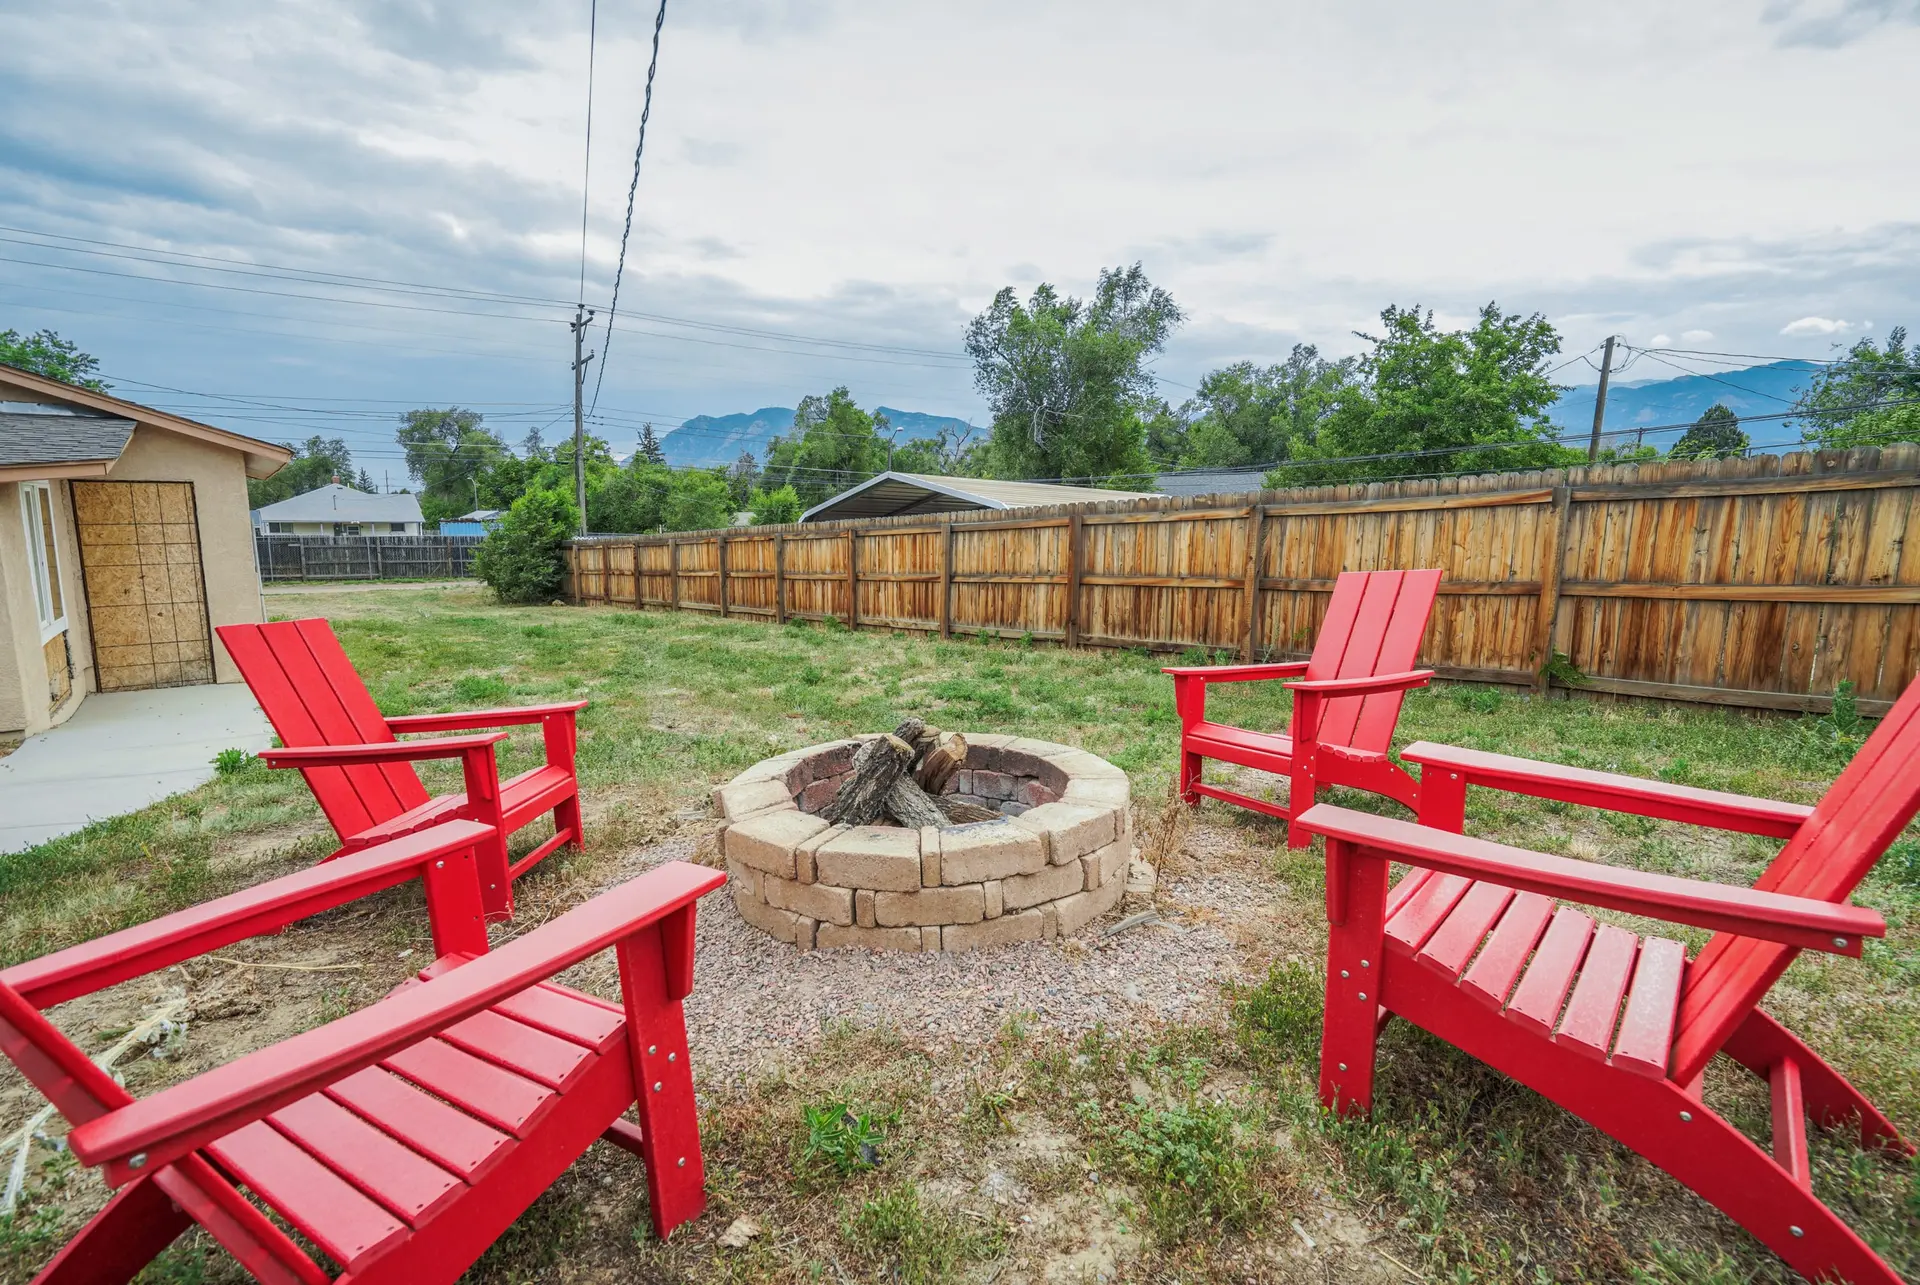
(1187, 1152)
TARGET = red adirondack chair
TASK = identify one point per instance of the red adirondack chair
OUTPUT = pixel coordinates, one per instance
(1344, 710)
(401, 1139)
(363, 775)
(1448, 949)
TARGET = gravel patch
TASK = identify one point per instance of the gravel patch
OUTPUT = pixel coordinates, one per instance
(755, 1000)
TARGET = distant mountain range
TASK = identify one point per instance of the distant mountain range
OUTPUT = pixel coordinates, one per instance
(1648, 403)
(707, 440)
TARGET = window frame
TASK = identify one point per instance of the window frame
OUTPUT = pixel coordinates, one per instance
(43, 560)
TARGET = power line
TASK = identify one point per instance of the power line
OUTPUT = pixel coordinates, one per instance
(1700, 374)
(620, 265)
(586, 164)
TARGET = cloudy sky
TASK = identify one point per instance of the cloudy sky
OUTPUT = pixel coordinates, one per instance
(831, 190)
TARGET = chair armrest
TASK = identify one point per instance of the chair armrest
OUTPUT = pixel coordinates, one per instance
(251, 912)
(1771, 916)
(1364, 686)
(1737, 812)
(161, 1128)
(516, 716)
(1237, 673)
(446, 747)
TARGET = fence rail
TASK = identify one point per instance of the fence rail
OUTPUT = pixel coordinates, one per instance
(365, 557)
(1759, 582)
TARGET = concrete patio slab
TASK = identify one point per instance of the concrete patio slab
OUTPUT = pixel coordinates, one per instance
(118, 753)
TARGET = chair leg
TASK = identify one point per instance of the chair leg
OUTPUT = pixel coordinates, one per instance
(566, 820)
(137, 1224)
(1760, 1043)
(663, 1083)
(1357, 907)
(1189, 777)
(1300, 790)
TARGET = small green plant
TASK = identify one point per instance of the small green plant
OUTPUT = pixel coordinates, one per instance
(232, 761)
(479, 688)
(1477, 700)
(812, 675)
(1282, 1015)
(1195, 1166)
(921, 1244)
(1832, 737)
(840, 1140)
(1561, 669)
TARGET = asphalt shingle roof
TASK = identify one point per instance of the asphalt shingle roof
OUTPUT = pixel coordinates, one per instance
(56, 438)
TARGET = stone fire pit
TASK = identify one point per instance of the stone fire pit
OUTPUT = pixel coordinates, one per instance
(1056, 859)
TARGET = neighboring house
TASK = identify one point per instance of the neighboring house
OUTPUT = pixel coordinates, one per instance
(478, 522)
(340, 510)
(1212, 481)
(896, 493)
(123, 541)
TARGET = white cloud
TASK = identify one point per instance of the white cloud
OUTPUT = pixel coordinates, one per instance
(1660, 341)
(1816, 326)
(1695, 336)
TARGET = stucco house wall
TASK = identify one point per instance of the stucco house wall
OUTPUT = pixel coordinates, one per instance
(24, 706)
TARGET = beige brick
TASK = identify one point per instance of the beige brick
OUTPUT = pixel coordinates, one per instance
(1070, 830)
(863, 907)
(872, 856)
(803, 853)
(1049, 921)
(814, 900)
(1107, 864)
(775, 922)
(1084, 766)
(773, 769)
(929, 938)
(929, 856)
(993, 890)
(766, 842)
(835, 937)
(930, 906)
(745, 879)
(735, 801)
(1022, 891)
(1051, 750)
(1101, 792)
(988, 850)
(1022, 925)
(804, 930)
(1082, 908)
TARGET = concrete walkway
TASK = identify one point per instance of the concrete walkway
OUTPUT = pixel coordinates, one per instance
(363, 586)
(119, 752)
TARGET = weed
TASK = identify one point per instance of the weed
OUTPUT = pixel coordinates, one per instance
(920, 1243)
(840, 1140)
(1561, 669)
(232, 761)
(535, 1243)
(812, 675)
(989, 1110)
(1686, 1267)
(1901, 865)
(1196, 1166)
(335, 1002)
(1477, 700)
(479, 689)
(1831, 739)
(1282, 1015)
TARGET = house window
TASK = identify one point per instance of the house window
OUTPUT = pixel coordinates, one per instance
(346, 528)
(398, 528)
(279, 528)
(43, 558)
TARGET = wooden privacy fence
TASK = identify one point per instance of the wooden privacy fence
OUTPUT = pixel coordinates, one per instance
(1759, 582)
(365, 557)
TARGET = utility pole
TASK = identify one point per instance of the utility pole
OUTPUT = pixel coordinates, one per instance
(1600, 403)
(582, 317)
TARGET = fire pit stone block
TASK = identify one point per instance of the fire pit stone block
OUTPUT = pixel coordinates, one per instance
(1056, 860)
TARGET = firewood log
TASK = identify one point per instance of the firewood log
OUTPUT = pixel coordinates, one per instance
(910, 805)
(880, 763)
(960, 812)
(939, 764)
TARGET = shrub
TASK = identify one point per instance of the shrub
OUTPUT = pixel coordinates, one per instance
(522, 560)
(782, 505)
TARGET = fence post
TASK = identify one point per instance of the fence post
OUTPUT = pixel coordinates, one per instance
(1255, 565)
(673, 569)
(946, 579)
(1553, 553)
(720, 558)
(1073, 580)
(853, 579)
(779, 579)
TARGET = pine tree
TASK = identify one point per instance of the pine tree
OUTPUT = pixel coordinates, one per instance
(1715, 435)
(650, 449)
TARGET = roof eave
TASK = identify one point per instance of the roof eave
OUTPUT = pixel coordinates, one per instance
(263, 459)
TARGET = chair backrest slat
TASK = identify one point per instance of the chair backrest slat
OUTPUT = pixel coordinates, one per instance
(1374, 625)
(65, 1076)
(1834, 849)
(313, 696)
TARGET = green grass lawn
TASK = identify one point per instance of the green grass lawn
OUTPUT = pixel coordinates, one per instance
(1213, 1132)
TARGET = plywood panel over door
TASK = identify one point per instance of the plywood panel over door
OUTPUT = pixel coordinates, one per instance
(146, 597)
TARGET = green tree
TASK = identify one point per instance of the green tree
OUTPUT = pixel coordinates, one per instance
(743, 479)
(315, 462)
(46, 353)
(834, 445)
(950, 452)
(523, 558)
(1715, 435)
(650, 449)
(447, 452)
(1429, 401)
(1249, 414)
(700, 501)
(1842, 407)
(1067, 379)
(770, 507)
